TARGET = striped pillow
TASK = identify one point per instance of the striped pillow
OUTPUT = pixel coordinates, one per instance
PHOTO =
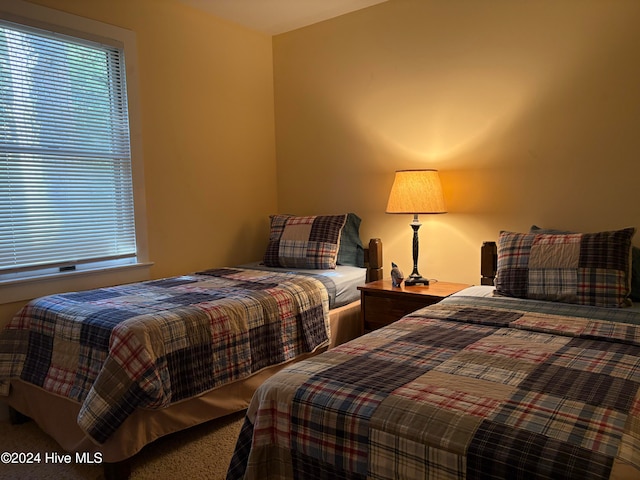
(582, 268)
(304, 242)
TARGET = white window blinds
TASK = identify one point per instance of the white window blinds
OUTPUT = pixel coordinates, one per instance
(65, 166)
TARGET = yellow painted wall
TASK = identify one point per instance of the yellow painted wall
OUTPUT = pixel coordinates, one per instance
(530, 110)
(207, 129)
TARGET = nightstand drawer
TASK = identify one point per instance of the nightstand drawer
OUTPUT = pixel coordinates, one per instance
(381, 311)
(382, 304)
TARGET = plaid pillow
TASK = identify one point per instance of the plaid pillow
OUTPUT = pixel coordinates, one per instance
(635, 261)
(304, 242)
(582, 268)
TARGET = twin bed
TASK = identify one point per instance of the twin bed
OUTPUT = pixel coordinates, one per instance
(536, 376)
(110, 370)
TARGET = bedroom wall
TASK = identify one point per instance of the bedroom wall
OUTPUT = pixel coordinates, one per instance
(208, 132)
(529, 110)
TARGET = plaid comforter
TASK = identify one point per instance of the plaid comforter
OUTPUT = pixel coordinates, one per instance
(468, 388)
(150, 344)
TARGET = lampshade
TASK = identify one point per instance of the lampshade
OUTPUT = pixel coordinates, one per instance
(416, 191)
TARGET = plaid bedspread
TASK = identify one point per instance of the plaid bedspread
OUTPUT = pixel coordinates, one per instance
(468, 388)
(150, 344)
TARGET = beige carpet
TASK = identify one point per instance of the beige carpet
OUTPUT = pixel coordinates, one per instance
(201, 452)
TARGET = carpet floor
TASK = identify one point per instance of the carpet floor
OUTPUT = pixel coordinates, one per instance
(201, 452)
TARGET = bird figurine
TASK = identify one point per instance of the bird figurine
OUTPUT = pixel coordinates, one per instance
(396, 275)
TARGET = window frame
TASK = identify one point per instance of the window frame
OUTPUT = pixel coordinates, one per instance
(25, 288)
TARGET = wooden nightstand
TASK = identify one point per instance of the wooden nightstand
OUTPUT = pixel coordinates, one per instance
(381, 303)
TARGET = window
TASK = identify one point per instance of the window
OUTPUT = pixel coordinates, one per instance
(66, 165)
(66, 194)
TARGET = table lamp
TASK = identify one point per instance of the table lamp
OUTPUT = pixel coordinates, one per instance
(416, 191)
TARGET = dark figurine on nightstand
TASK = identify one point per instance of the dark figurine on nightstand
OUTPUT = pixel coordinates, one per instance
(396, 275)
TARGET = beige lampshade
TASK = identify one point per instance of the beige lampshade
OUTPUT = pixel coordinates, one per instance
(416, 191)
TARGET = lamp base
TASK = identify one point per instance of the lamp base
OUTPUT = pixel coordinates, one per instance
(416, 281)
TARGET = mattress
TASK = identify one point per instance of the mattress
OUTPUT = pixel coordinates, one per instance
(341, 282)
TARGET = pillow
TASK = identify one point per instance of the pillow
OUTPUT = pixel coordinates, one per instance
(582, 268)
(351, 250)
(635, 261)
(304, 242)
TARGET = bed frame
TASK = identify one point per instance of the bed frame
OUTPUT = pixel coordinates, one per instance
(488, 263)
(146, 425)
(373, 260)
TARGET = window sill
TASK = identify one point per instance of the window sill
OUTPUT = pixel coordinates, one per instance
(33, 287)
